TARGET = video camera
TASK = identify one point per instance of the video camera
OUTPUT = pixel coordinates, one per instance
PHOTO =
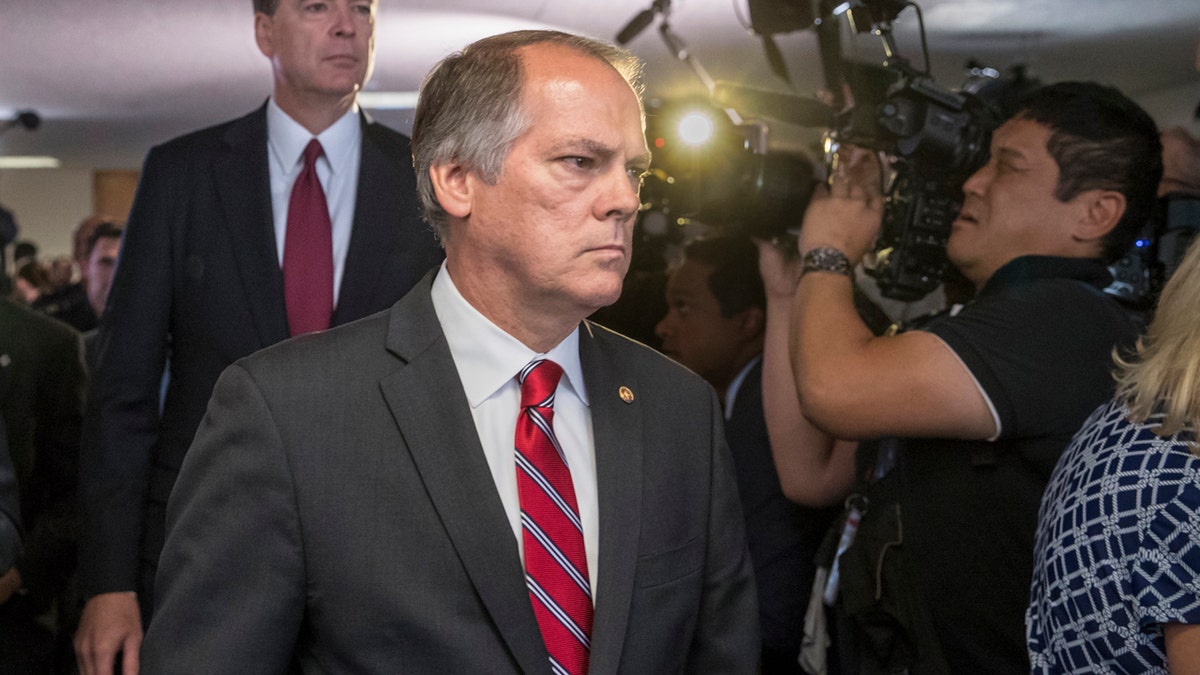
(934, 138)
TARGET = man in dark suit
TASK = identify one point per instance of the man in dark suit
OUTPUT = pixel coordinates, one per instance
(41, 401)
(478, 480)
(715, 325)
(206, 276)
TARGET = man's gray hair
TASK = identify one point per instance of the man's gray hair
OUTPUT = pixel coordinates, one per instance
(469, 109)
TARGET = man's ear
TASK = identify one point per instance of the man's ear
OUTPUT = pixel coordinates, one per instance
(752, 323)
(452, 185)
(1104, 209)
(263, 35)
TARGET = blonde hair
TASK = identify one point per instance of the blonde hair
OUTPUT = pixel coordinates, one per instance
(1163, 374)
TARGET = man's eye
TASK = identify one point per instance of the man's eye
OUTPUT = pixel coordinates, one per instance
(580, 162)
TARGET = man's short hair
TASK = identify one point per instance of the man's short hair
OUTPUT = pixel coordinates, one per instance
(1102, 140)
(735, 281)
(105, 230)
(267, 7)
(469, 109)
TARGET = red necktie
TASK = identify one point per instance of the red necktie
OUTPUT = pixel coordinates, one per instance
(556, 570)
(308, 251)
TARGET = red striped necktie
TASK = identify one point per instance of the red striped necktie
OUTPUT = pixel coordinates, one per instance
(556, 570)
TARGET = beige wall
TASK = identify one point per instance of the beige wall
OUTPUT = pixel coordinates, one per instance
(49, 203)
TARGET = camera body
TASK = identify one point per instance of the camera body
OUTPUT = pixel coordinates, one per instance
(934, 139)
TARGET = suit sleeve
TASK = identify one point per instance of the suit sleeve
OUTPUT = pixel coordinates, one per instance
(727, 634)
(121, 422)
(49, 558)
(230, 591)
(10, 516)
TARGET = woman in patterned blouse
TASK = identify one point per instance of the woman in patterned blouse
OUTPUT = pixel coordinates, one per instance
(1116, 582)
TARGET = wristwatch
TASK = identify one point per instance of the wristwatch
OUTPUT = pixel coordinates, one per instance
(826, 259)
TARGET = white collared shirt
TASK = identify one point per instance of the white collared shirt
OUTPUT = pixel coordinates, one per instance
(735, 386)
(337, 170)
(488, 360)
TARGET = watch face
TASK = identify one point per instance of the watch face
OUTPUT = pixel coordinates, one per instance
(827, 259)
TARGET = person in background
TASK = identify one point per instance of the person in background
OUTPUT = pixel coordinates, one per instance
(293, 218)
(1116, 576)
(41, 403)
(482, 481)
(1181, 162)
(103, 247)
(714, 325)
(31, 283)
(69, 302)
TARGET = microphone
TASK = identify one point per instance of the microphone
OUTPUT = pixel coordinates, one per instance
(635, 26)
(641, 20)
(805, 112)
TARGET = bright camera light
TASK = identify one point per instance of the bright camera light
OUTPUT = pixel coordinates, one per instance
(695, 129)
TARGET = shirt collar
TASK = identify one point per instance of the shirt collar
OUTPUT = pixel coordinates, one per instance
(735, 386)
(287, 139)
(487, 358)
(1027, 268)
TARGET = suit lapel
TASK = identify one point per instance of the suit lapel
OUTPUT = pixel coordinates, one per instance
(243, 186)
(384, 189)
(431, 410)
(617, 429)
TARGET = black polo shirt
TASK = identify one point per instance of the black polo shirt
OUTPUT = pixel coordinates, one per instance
(1038, 339)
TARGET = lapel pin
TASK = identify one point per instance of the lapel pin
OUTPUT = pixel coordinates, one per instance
(626, 394)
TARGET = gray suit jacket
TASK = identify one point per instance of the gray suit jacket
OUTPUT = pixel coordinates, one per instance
(336, 514)
(199, 285)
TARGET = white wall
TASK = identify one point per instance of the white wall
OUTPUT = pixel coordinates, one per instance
(47, 204)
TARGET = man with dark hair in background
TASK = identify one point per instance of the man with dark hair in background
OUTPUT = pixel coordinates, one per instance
(975, 408)
(714, 325)
(100, 260)
(481, 481)
(291, 219)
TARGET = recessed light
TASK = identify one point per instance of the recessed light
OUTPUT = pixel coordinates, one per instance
(29, 162)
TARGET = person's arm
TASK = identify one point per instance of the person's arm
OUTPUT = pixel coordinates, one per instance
(1183, 648)
(814, 468)
(121, 424)
(851, 383)
(230, 592)
(49, 558)
(10, 532)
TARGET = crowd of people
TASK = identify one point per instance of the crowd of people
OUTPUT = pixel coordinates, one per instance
(310, 410)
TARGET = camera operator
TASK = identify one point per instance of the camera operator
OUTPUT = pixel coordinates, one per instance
(966, 418)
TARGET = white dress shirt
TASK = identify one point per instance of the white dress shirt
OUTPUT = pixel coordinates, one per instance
(337, 169)
(488, 360)
(735, 386)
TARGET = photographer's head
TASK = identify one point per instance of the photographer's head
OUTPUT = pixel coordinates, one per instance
(1073, 174)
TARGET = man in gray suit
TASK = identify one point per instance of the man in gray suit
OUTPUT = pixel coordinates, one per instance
(353, 502)
(301, 209)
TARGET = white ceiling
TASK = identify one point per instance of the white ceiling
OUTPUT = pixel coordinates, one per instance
(112, 77)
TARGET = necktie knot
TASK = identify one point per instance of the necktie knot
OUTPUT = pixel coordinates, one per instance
(538, 381)
(312, 152)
